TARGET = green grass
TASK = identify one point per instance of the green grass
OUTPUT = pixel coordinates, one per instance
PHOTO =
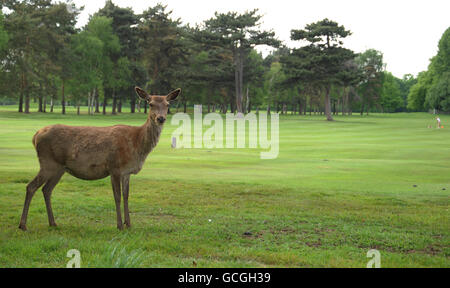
(335, 191)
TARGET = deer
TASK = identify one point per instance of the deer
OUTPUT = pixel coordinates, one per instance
(92, 153)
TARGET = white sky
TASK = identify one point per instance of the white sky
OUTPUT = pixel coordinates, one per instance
(406, 31)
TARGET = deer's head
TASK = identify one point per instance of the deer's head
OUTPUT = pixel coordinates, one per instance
(158, 104)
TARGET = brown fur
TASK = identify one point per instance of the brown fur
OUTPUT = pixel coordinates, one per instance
(92, 153)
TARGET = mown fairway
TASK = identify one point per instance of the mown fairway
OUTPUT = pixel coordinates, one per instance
(336, 190)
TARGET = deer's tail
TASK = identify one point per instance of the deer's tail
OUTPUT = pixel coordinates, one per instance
(37, 134)
(34, 139)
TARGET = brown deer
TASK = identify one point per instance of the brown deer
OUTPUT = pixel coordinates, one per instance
(92, 153)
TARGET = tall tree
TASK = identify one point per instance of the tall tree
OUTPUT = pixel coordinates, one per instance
(101, 28)
(350, 78)
(3, 33)
(391, 95)
(322, 61)
(418, 92)
(405, 84)
(372, 66)
(237, 33)
(438, 96)
(3, 44)
(38, 30)
(161, 45)
(124, 24)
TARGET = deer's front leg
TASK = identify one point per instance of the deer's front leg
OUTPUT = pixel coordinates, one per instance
(115, 181)
(125, 192)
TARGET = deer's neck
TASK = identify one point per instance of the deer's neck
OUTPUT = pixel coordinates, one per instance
(151, 133)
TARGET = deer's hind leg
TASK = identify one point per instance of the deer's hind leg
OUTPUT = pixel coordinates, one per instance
(125, 192)
(37, 182)
(115, 181)
(47, 191)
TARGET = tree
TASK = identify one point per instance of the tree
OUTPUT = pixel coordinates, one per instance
(238, 34)
(3, 44)
(350, 77)
(162, 49)
(100, 27)
(391, 97)
(371, 64)
(86, 70)
(124, 25)
(405, 84)
(38, 31)
(3, 34)
(25, 27)
(321, 63)
(418, 92)
(438, 96)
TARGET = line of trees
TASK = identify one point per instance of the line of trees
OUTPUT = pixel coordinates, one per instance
(432, 90)
(46, 59)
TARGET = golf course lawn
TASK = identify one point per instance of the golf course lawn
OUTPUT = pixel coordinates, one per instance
(336, 190)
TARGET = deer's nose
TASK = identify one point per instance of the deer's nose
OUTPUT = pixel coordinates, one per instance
(161, 119)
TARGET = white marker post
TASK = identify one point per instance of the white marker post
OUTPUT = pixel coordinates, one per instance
(174, 142)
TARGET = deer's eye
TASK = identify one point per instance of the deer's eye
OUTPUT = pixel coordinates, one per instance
(151, 104)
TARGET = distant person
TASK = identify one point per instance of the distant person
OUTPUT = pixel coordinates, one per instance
(438, 122)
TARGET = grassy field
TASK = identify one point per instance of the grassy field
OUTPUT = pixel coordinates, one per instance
(335, 191)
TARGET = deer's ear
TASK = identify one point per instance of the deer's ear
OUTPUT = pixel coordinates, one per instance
(173, 95)
(142, 94)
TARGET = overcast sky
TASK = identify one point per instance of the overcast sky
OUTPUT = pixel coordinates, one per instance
(406, 31)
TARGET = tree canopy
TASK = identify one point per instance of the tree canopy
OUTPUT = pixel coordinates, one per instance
(46, 59)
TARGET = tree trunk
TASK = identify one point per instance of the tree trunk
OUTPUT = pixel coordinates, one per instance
(133, 101)
(119, 106)
(45, 103)
(97, 103)
(185, 106)
(347, 102)
(239, 77)
(21, 93)
(63, 99)
(27, 101)
(114, 105)
(236, 80)
(328, 104)
(89, 103)
(105, 102)
(40, 98)
(40, 103)
(247, 102)
(334, 107)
